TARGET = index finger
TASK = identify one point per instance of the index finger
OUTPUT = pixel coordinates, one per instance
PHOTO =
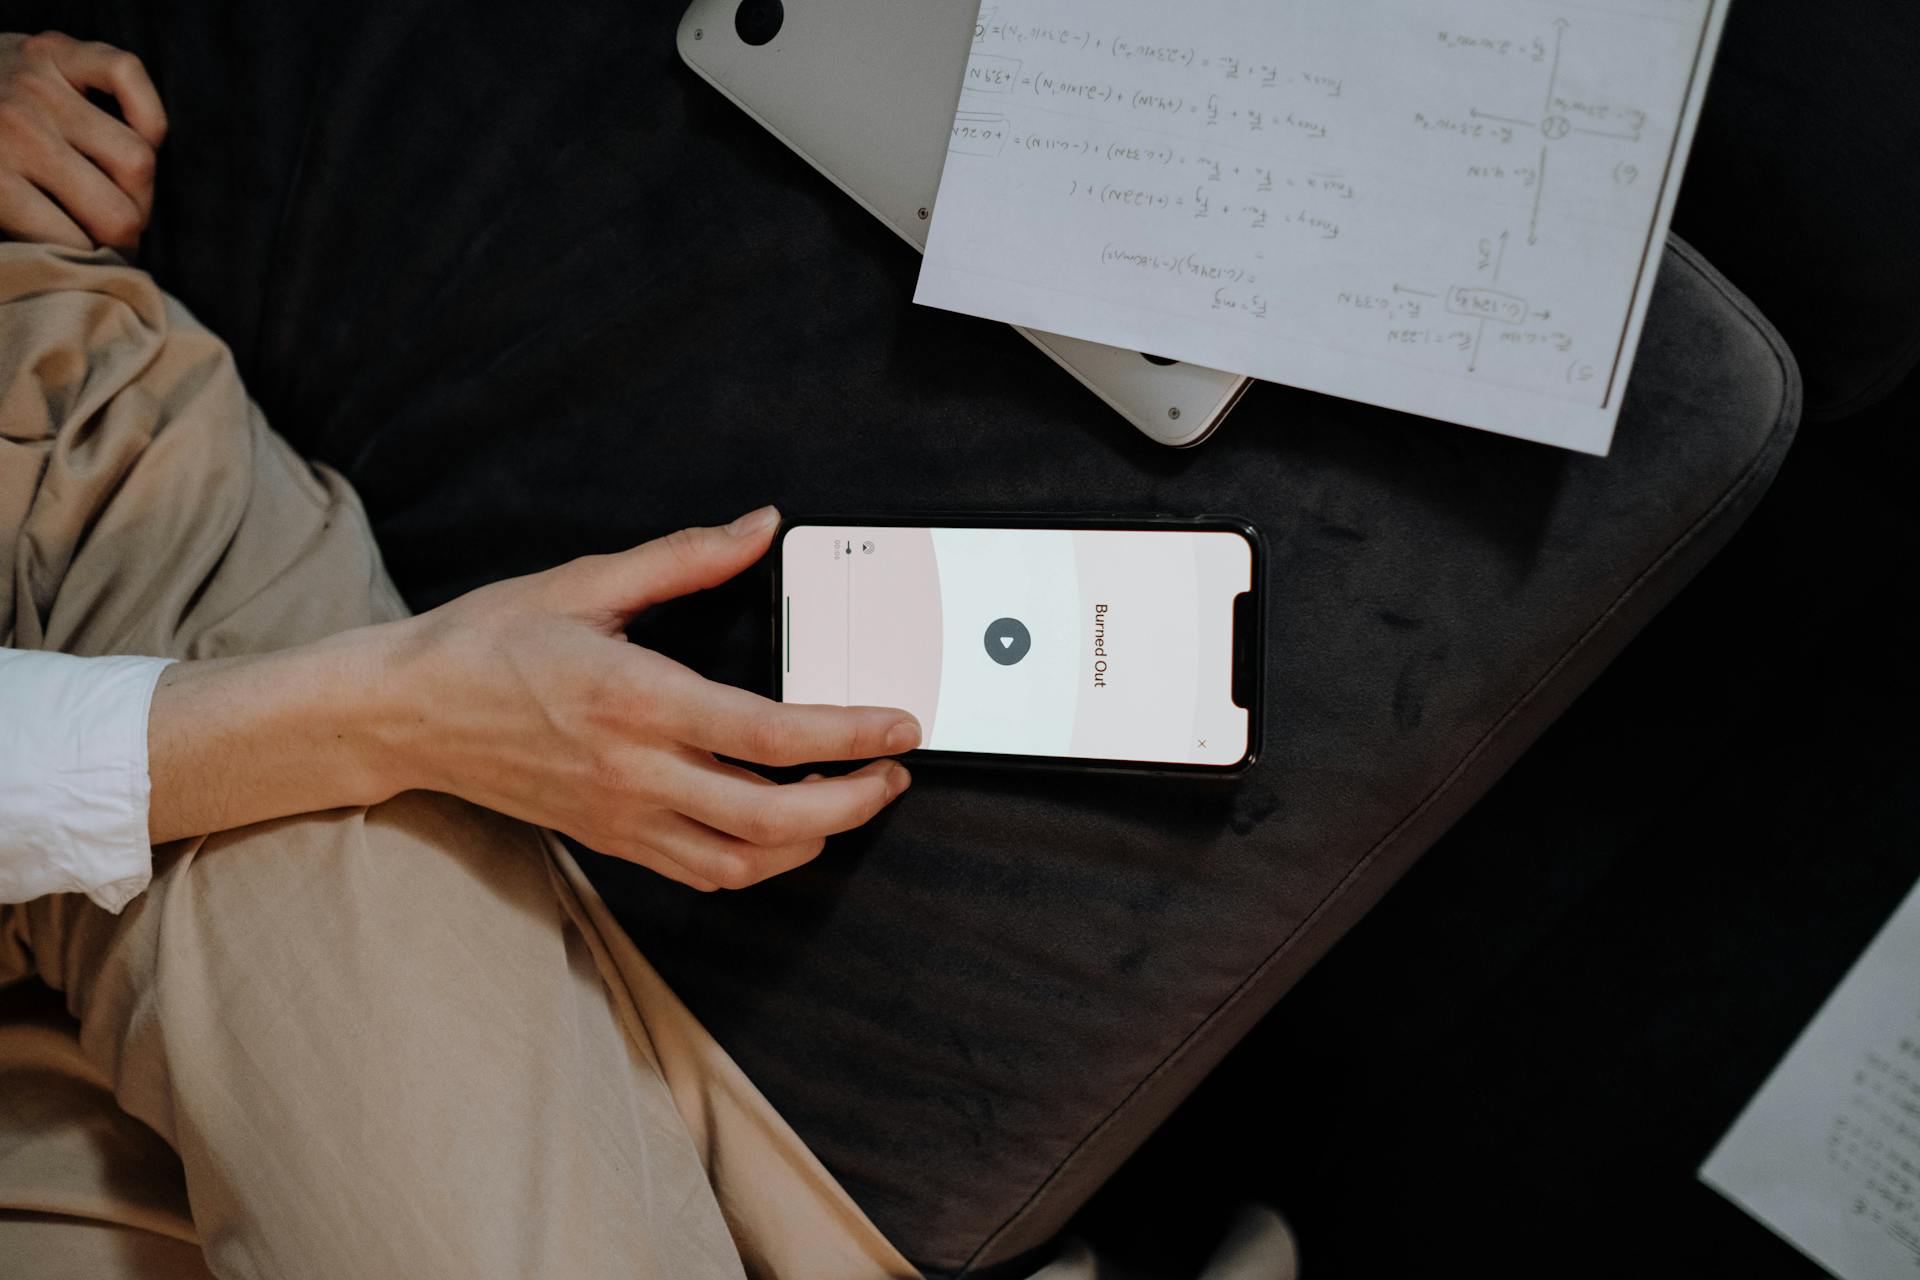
(732, 722)
(88, 64)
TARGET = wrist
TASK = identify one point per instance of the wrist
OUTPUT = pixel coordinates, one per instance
(337, 708)
(385, 717)
(234, 741)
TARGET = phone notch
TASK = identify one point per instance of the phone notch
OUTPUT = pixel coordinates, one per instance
(1246, 649)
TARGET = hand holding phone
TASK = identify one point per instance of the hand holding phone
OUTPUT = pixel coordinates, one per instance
(526, 697)
(1100, 643)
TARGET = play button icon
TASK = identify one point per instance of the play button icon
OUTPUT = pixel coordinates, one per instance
(1007, 641)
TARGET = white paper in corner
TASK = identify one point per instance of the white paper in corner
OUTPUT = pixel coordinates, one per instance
(1454, 208)
(1827, 1154)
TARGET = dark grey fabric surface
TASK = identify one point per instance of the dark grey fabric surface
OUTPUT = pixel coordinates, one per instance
(976, 1008)
(540, 292)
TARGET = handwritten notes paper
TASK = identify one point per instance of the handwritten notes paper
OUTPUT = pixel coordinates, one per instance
(1450, 207)
(1828, 1152)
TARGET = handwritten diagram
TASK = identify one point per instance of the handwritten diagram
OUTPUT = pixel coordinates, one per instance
(1442, 205)
(1557, 121)
(1457, 316)
(1564, 117)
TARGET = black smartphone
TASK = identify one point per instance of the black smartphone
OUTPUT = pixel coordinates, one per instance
(1106, 642)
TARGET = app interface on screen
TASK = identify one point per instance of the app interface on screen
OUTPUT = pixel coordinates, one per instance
(1096, 643)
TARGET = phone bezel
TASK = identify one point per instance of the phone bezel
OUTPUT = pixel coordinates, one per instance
(1249, 650)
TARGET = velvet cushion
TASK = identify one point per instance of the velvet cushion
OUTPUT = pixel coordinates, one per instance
(541, 292)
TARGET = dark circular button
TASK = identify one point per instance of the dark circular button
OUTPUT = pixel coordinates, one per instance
(758, 21)
(1007, 640)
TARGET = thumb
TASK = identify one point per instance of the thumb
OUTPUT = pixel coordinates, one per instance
(684, 561)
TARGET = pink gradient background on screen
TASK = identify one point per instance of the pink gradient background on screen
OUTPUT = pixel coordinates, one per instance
(878, 619)
(866, 629)
(1148, 584)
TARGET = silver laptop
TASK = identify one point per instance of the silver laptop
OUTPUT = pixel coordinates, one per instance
(864, 91)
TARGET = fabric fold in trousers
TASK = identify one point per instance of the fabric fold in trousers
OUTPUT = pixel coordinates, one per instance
(405, 1041)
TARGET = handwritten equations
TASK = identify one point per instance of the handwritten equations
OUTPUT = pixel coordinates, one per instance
(1828, 1152)
(1454, 208)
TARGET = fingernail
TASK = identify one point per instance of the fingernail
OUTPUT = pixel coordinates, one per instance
(755, 522)
(904, 736)
(898, 781)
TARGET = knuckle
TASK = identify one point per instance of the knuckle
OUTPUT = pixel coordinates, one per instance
(563, 582)
(606, 783)
(18, 121)
(683, 545)
(118, 62)
(606, 698)
(45, 44)
(767, 739)
(595, 826)
(872, 802)
(733, 871)
(39, 84)
(766, 824)
(138, 164)
(116, 225)
(592, 828)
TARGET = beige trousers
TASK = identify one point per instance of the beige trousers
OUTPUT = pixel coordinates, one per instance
(406, 1041)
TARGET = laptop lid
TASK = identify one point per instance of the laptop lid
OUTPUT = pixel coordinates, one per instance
(864, 90)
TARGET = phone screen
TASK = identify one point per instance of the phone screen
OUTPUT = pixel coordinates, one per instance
(1099, 644)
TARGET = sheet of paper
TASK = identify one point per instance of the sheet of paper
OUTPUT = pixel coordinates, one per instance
(1828, 1152)
(1450, 207)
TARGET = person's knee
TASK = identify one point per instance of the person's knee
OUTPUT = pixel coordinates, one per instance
(420, 854)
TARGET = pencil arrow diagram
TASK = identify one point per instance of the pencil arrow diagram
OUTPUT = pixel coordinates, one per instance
(1539, 187)
(1560, 26)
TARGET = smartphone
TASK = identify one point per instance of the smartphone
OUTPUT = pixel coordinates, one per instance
(1100, 643)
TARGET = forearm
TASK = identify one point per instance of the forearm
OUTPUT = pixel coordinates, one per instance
(233, 741)
(525, 697)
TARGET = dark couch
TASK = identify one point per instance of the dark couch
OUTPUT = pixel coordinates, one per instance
(539, 292)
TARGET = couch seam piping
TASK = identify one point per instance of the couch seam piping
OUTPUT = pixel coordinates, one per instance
(1789, 406)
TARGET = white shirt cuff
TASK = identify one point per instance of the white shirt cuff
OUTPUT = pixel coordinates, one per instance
(74, 787)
